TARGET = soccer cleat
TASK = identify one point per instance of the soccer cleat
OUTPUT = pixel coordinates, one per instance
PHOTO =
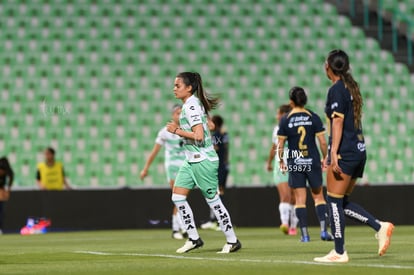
(177, 235)
(305, 239)
(284, 228)
(384, 237)
(190, 245)
(292, 231)
(35, 226)
(333, 257)
(231, 247)
(210, 225)
(326, 236)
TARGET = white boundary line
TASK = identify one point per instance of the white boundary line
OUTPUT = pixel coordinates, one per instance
(99, 253)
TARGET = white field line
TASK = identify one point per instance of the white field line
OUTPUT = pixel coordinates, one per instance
(179, 257)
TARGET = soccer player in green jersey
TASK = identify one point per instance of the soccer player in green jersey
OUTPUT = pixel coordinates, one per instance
(201, 166)
(287, 213)
(174, 158)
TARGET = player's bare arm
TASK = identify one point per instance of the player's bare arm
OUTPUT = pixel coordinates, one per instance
(323, 145)
(279, 149)
(197, 131)
(151, 157)
(271, 157)
(337, 129)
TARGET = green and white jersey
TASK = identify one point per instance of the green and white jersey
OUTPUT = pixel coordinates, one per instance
(275, 141)
(174, 150)
(278, 175)
(192, 113)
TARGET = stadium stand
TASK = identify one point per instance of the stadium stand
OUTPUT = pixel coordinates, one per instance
(94, 80)
(404, 6)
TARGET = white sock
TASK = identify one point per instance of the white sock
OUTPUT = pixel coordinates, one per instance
(293, 219)
(175, 223)
(284, 210)
(223, 218)
(186, 215)
(180, 223)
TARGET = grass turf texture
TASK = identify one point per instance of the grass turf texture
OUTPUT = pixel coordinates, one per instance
(265, 251)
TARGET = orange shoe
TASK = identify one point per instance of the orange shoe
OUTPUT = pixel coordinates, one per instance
(384, 237)
(333, 257)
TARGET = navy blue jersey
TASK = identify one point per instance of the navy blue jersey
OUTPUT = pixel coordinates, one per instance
(221, 145)
(300, 127)
(339, 103)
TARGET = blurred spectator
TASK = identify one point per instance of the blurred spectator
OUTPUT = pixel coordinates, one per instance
(50, 174)
(6, 181)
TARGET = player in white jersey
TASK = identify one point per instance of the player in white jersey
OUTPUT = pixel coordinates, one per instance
(174, 158)
(287, 213)
(201, 166)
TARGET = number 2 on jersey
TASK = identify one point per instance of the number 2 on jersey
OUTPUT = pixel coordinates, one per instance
(302, 132)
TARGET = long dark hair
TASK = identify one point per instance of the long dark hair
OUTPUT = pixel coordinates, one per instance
(218, 121)
(194, 80)
(5, 165)
(298, 96)
(338, 61)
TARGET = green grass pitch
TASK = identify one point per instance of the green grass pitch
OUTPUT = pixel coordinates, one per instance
(265, 251)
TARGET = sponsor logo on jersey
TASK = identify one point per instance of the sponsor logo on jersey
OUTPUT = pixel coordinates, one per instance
(302, 161)
(361, 146)
(334, 105)
(196, 118)
(299, 121)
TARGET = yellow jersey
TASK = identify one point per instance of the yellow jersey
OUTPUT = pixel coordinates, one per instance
(52, 177)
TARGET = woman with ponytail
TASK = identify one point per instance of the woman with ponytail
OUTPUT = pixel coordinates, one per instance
(300, 128)
(201, 166)
(346, 157)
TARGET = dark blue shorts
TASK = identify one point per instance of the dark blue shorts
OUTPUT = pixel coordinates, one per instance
(353, 168)
(313, 176)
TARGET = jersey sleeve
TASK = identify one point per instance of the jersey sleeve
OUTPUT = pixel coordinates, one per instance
(194, 114)
(281, 132)
(318, 125)
(161, 137)
(336, 103)
(274, 135)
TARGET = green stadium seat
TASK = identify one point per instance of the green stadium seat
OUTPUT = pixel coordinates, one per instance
(113, 66)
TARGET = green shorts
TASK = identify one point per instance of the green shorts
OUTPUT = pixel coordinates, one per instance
(278, 176)
(172, 172)
(202, 174)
